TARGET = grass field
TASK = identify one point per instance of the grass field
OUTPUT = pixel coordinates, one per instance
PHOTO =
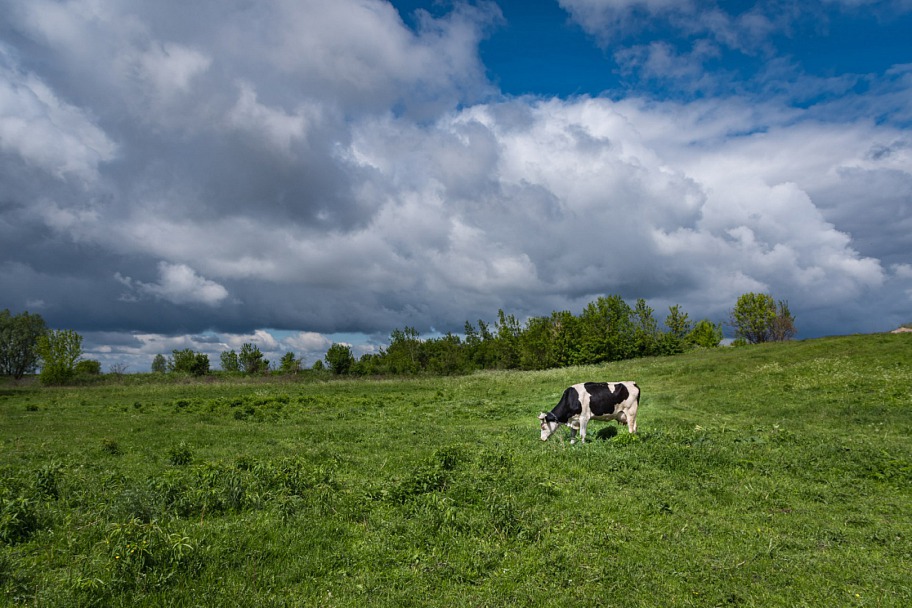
(775, 475)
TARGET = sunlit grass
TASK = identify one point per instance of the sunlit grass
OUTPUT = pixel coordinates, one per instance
(776, 475)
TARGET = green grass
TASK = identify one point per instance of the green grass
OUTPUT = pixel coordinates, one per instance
(775, 475)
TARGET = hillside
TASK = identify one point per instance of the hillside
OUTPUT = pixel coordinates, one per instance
(773, 475)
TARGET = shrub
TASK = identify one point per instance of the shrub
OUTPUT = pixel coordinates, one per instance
(705, 334)
(88, 367)
(180, 455)
(47, 480)
(18, 518)
(189, 362)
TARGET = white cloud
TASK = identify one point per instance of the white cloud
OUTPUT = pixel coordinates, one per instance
(588, 196)
(359, 53)
(319, 165)
(46, 131)
(261, 338)
(275, 127)
(902, 271)
(307, 341)
(179, 284)
(171, 67)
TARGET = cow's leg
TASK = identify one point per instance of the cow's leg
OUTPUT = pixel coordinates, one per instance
(583, 423)
(632, 414)
(574, 427)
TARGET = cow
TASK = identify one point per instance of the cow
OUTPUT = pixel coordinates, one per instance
(599, 400)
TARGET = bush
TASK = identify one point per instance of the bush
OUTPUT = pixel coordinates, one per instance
(181, 454)
(189, 362)
(88, 367)
(18, 519)
(705, 334)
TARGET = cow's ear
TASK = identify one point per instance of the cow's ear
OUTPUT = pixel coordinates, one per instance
(542, 416)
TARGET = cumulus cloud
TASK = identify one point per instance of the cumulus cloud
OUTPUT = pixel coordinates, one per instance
(42, 130)
(281, 172)
(178, 284)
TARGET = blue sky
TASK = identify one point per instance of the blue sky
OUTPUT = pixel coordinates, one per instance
(538, 48)
(298, 173)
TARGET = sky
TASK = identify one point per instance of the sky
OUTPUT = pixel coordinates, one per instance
(293, 173)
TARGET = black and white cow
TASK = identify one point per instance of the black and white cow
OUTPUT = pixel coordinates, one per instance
(599, 400)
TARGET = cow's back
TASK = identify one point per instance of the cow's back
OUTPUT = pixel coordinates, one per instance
(605, 397)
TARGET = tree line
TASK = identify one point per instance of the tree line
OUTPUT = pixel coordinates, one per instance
(607, 329)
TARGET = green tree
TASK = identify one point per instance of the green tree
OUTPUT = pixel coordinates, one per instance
(229, 361)
(402, 356)
(507, 342)
(340, 359)
(370, 364)
(753, 317)
(645, 330)
(159, 364)
(19, 343)
(251, 359)
(606, 331)
(565, 338)
(188, 362)
(59, 350)
(705, 334)
(677, 322)
(441, 355)
(678, 325)
(470, 347)
(289, 365)
(536, 344)
(479, 346)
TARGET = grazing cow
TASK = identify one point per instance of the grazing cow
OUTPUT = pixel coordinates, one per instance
(600, 400)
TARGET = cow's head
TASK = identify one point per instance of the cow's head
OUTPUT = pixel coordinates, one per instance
(549, 424)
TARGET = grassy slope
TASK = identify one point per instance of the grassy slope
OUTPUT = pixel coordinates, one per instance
(776, 475)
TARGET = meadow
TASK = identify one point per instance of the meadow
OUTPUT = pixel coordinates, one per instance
(769, 475)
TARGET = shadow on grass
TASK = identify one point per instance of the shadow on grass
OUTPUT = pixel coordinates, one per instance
(606, 433)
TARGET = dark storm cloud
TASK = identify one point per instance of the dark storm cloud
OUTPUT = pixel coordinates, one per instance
(184, 176)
